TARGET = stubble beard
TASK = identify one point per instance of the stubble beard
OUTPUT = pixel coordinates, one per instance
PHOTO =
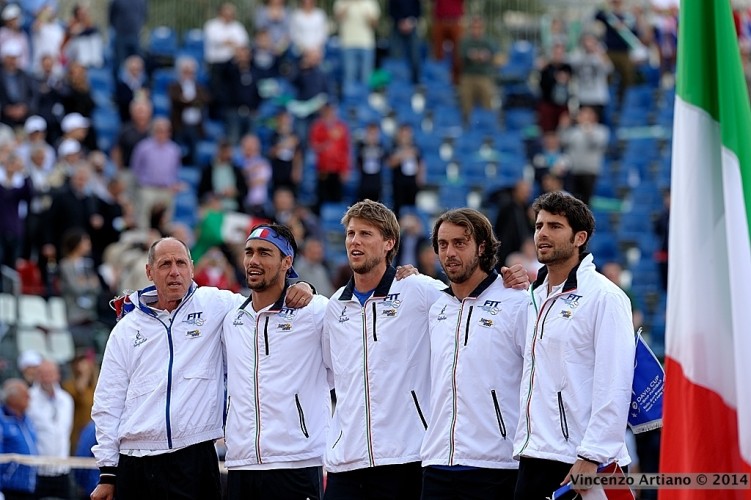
(464, 273)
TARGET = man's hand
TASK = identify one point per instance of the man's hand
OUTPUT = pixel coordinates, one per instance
(580, 467)
(515, 277)
(299, 295)
(405, 270)
(103, 492)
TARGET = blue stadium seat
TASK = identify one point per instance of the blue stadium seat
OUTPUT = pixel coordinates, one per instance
(161, 79)
(193, 43)
(205, 151)
(163, 41)
(106, 122)
(521, 60)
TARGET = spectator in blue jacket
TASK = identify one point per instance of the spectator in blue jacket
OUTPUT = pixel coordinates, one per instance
(86, 479)
(17, 482)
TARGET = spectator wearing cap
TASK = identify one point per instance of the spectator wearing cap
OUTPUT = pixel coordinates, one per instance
(68, 156)
(17, 100)
(11, 32)
(17, 435)
(35, 129)
(28, 363)
(77, 127)
(155, 164)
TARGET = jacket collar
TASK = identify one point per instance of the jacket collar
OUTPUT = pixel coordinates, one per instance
(572, 280)
(150, 291)
(484, 284)
(276, 306)
(380, 291)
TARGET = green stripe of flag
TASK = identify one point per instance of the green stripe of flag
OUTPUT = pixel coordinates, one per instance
(710, 76)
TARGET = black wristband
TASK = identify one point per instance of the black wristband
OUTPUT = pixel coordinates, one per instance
(588, 460)
(107, 475)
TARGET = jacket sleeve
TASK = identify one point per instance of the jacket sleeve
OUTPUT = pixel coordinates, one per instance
(109, 399)
(613, 376)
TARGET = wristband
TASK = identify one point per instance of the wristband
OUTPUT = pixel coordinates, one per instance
(107, 475)
(588, 460)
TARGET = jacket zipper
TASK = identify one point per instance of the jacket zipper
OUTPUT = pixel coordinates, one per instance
(366, 383)
(301, 415)
(419, 411)
(257, 402)
(375, 337)
(562, 414)
(169, 384)
(542, 327)
(466, 329)
(498, 414)
(454, 402)
(266, 335)
(528, 423)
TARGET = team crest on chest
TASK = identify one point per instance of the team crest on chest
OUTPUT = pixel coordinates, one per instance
(195, 319)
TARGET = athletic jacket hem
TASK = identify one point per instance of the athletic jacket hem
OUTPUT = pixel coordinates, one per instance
(364, 464)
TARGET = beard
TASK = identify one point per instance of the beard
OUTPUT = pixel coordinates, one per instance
(264, 284)
(367, 266)
(558, 254)
(463, 273)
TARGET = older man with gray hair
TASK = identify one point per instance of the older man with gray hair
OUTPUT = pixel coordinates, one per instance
(18, 436)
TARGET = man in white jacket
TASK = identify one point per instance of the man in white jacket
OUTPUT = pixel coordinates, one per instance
(278, 383)
(477, 330)
(159, 402)
(578, 360)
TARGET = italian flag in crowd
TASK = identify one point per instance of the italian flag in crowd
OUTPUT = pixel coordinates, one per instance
(707, 415)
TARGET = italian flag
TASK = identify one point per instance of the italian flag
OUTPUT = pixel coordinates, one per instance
(707, 415)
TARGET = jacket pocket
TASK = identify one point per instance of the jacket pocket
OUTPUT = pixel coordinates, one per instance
(301, 415)
(419, 410)
(498, 413)
(562, 415)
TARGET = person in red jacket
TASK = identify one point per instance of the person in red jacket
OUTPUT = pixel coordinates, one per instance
(330, 139)
(447, 27)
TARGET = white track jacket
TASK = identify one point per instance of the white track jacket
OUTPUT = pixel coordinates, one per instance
(279, 402)
(380, 355)
(476, 347)
(161, 385)
(578, 370)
